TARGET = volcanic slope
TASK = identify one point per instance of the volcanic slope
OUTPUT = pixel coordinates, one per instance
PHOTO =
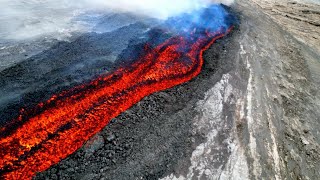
(110, 86)
(251, 113)
(154, 137)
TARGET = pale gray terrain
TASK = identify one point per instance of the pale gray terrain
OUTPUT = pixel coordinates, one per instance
(300, 18)
(276, 123)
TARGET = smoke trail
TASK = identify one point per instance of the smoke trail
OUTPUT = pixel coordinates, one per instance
(161, 9)
(31, 18)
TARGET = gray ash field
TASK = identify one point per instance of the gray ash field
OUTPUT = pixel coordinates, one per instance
(252, 112)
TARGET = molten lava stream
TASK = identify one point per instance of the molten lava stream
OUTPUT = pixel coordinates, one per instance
(76, 115)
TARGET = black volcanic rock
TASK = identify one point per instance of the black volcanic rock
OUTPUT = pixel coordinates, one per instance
(64, 65)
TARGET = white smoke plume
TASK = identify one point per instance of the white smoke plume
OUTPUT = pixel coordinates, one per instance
(22, 19)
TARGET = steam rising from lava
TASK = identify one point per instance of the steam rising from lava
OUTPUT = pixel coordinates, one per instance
(26, 19)
(161, 9)
(43, 135)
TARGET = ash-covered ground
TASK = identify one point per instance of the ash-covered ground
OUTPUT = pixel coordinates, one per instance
(157, 136)
(252, 113)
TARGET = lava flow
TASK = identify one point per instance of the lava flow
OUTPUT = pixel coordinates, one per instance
(67, 120)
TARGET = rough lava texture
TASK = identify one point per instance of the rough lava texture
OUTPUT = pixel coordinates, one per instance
(252, 113)
(154, 138)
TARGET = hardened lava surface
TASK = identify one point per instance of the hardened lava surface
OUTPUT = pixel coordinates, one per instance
(155, 137)
(251, 113)
(42, 136)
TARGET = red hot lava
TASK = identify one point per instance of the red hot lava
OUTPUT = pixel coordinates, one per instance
(69, 119)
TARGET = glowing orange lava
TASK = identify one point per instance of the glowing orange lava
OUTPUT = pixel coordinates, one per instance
(69, 119)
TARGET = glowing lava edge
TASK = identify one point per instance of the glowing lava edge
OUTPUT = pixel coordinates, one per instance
(67, 120)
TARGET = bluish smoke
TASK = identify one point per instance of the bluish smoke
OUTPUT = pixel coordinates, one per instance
(211, 19)
(25, 19)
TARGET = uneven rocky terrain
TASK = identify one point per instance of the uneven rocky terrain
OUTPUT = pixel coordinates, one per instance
(282, 121)
(300, 18)
(252, 113)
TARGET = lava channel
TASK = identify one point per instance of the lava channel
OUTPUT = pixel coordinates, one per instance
(66, 121)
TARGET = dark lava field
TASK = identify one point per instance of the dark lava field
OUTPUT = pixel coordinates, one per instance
(251, 113)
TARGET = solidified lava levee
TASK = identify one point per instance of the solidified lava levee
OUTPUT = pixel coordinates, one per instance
(64, 122)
